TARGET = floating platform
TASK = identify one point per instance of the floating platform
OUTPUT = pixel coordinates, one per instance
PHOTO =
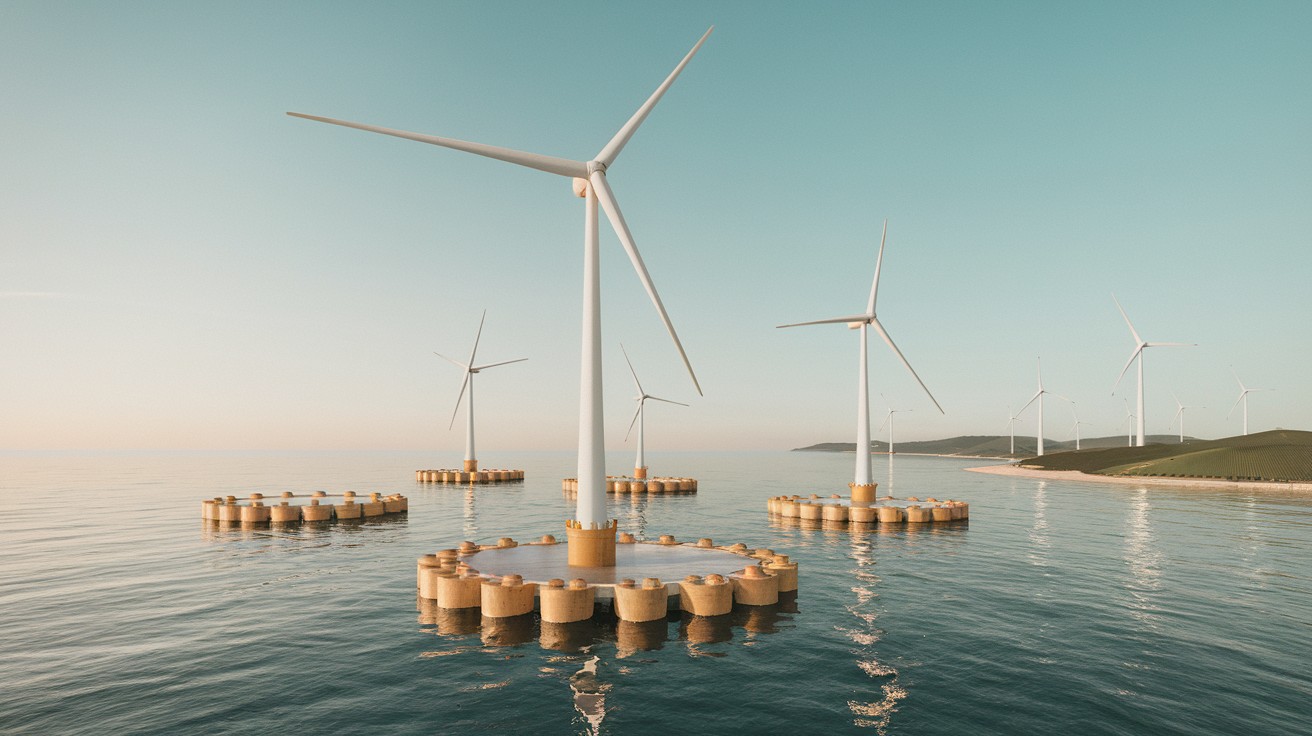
(884, 510)
(475, 477)
(618, 484)
(286, 510)
(648, 581)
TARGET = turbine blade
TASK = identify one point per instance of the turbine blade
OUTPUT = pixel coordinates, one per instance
(612, 149)
(504, 362)
(455, 363)
(549, 164)
(879, 262)
(1232, 408)
(1128, 363)
(1033, 398)
(633, 421)
(1137, 339)
(477, 336)
(1236, 375)
(833, 321)
(1170, 344)
(607, 199)
(884, 334)
(459, 397)
(657, 398)
(885, 422)
(636, 382)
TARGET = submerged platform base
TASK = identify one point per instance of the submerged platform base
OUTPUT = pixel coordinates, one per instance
(619, 484)
(286, 510)
(476, 477)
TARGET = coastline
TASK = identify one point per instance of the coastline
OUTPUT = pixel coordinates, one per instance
(1019, 472)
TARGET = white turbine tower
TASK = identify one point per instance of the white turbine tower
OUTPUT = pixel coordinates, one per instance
(1077, 425)
(471, 459)
(1038, 396)
(862, 486)
(1129, 424)
(1179, 414)
(590, 183)
(639, 417)
(1244, 391)
(888, 420)
(1011, 429)
(1139, 346)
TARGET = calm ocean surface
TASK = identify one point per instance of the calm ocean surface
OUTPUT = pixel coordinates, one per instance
(1061, 607)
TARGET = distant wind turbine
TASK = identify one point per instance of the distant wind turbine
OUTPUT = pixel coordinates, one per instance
(1244, 391)
(860, 322)
(1038, 396)
(1139, 346)
(590, 183)
(1011, 429)
(1179, 414)
(1129, 424)
(471, 459)
(1076, 426)
(888, 419)
(640, 464)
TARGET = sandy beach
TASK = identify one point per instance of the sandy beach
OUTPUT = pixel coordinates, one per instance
(1017, 471)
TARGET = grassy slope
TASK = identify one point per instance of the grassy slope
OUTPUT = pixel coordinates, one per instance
(1278, 455)
(982, 445)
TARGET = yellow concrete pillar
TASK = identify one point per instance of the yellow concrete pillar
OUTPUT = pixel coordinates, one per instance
(863, 492)
(640, 473)
(862, 514)
(709, 596)
(315, 512)
(785, 571)
(256, 513)
(753, 587)
(462, 590)
(560, 604)
(834, 512)
(591, 547)
(890, 514)
(470, 466)
(284, 513)
(917, 514)
(647, 603)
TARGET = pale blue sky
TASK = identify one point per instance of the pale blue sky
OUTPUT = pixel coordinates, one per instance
(182, 265)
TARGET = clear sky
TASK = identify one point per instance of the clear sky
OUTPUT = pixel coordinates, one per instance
(184, 266)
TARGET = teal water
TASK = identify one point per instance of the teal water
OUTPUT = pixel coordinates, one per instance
(1060, 607)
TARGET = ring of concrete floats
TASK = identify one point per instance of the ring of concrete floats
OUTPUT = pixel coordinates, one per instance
(253, 510)
(885, 510)
(448, 579)
(624, 484)
(461, 476)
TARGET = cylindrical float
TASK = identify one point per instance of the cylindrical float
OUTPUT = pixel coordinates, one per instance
(709, 596)
(834, 512)
(753, 587)
(256, 513)
(647, 603)
(510, 596)
(889, 514)
(917, 514)
(229, 512)
(315, 512)
(560, 604)
(459, 591)
(785, 571)
(862, 514)
(810, 511)
(941, 513)
(284, 513)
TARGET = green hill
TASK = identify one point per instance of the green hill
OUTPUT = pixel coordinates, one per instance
(983, 445)
(1277, 455)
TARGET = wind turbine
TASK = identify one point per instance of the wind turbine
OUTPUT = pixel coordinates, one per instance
(1076, 426)
(888, 419)
(1011, 429)
(589, 183)
(640, 464)
(471, 460)
(1129, 424)
(862, 487)
(1038, 395)
(1179, 414)
(1139, 346)
(1244, 391)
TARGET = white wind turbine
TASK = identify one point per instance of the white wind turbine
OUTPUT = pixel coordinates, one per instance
(589, 182)
(1129, 424)
(1244, 391)
(888, 420)
(1038, 396)
(1077, 425)
(471, 459)
(1011, 429)
(1139, 346)
(1179, 414)
(859, 322)
(639, 417)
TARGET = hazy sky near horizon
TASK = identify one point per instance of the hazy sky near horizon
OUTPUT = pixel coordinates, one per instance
(184, 266)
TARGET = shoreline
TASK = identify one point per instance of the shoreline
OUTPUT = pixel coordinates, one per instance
(1016, 471)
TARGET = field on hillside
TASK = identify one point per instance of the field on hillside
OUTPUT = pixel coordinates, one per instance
(1278, 455)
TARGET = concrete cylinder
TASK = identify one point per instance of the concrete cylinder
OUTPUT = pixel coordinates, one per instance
(393, 505)
(638, 604)
(810, 511)
(863, 492)
(685, 484)
(229, 512)
(256, 513)
(913, 499)
(637, 486)
(834, 512)
(348, 510)
(510, 596)
(941, 513)
(790, 509)
(917, 514)
(785, 571)
(315, 512)
(561, 604)
(207, 509)
(430, 570)
(481, 477)
(419, 475)
(469, 466)
(459, 591)
(590, 547)
(709, 596)
(737, 548)
(667, 539)
(284, 513)
(753, 587)
(965, 510)
(467, 547)
(862, 514)
(762, 553)
(655, 486)
(889, 514)
(626, 538)
(640, 473)
(372, 508)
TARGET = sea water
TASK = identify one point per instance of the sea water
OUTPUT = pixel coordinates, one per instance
(1060, 606)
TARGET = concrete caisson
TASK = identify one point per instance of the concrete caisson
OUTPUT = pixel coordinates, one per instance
(638, 604)
(562, 604)
(754, 587)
